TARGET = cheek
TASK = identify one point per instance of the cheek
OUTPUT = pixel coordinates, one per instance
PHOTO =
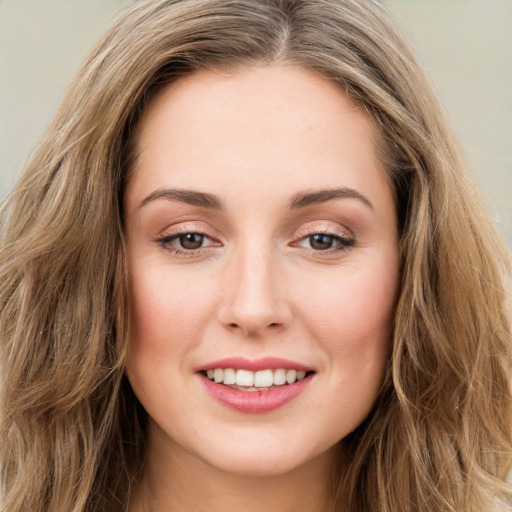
(359, 305)
(351, 317)
(168, 310)
(168, 313)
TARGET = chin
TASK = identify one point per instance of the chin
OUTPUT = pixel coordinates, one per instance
(267, 459)
(259, 466)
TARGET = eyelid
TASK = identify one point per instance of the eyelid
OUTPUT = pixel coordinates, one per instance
(167, 235)
(344, 236)
(323, 229)
(187, 227)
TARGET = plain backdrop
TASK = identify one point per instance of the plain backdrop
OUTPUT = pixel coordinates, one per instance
(465, 46)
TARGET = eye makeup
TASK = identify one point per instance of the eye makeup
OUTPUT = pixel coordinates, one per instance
(193, 242)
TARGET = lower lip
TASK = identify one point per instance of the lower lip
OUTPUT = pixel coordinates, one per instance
(254, 402)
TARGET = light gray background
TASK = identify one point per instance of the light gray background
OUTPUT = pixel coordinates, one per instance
(465, 45)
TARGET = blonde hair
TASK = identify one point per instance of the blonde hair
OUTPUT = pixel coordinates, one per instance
(72, 433)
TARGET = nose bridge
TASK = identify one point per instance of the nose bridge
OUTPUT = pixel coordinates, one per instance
(252, 297)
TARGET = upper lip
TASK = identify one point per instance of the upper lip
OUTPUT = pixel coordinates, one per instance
(263, 363)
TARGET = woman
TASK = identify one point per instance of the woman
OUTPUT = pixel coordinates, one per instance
(247, 268)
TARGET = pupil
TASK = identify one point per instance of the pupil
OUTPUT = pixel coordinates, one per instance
(321, 241)
(191, 241)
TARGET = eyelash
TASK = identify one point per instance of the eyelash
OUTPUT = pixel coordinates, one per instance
(343, 242)
(165, 242)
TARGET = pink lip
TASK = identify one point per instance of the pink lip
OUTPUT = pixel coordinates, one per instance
(254, 402)
(264, 363)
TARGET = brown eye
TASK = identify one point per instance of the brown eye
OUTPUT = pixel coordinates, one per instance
(321, 242)
(191, 241)
(187, 243)
(325, 242)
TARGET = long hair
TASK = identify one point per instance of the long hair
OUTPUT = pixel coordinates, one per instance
(72, 433)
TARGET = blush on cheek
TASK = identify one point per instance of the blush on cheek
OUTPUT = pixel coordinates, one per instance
(167, 320)
(353, 309)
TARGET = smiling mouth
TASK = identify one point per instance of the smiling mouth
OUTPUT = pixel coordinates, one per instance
(263, 380)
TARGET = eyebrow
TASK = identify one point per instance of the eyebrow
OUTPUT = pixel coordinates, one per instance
(304, 199)
(297, 201)
(185, 196)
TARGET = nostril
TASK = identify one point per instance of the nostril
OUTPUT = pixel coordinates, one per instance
(234, 325)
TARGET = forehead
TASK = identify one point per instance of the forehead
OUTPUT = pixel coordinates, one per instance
(254, 124)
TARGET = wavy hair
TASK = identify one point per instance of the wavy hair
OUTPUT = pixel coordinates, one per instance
(72, 433)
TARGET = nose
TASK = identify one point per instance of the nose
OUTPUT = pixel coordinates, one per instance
(254, 297)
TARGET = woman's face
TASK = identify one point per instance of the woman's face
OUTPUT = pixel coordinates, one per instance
(262, 243)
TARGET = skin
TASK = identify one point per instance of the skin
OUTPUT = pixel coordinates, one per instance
(255, 139)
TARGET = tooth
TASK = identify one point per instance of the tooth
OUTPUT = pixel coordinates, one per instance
(244, 378)
(279, 377)
(263, 379)
(291, 375)
(229, 376)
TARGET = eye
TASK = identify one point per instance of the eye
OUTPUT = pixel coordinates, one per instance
(325, 242)
(185, 242)
(321, 242)
(191, 240)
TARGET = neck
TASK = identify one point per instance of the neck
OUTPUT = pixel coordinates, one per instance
(185, 483)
